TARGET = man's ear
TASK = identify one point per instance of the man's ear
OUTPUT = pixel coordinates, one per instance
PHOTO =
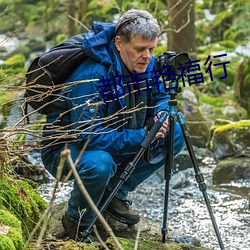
(118, 42)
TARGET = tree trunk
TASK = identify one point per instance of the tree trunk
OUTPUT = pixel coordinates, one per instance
(181, 34)
(72, 13)
(83, 7)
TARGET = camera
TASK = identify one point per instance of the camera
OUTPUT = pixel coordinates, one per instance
(177, 61)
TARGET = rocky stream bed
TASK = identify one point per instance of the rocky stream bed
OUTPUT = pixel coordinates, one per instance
(188, 215)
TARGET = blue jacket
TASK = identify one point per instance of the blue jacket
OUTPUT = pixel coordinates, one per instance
(89, 117)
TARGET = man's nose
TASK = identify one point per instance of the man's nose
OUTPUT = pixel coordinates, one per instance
(146, 54)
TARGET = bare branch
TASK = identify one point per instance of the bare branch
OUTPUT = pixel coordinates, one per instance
(66, 154)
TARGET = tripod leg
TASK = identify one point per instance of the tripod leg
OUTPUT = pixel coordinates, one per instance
(168, 173)
(199, 176)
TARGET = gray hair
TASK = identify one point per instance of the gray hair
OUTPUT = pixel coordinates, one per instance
(137, 22)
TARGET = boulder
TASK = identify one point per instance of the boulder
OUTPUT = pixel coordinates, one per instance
(197, 125)
(231, 169)
(231, 139)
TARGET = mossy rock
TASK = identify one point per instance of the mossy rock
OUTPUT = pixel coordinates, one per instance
(231, 169)
(232, 139)
(128, 244)
(11, 237)
(218, 105)
(21, 199)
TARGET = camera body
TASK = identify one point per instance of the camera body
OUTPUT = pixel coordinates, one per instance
(176, 61)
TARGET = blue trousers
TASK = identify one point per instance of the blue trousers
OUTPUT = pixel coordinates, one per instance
(100, 170)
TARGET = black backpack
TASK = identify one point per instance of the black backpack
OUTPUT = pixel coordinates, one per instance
(47, 74)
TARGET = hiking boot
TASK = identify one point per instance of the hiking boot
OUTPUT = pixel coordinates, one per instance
(75, 231)
(121, 211)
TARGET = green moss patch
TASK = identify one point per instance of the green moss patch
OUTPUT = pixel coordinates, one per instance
(10, 231)
(22, 200)
(128, 244)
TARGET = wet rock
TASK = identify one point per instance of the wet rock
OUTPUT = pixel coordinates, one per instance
(181, 179)
(189, 96)
(31, 167)
(197, 125)
(231, 169)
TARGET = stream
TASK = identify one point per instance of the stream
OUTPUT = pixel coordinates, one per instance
(187, 212)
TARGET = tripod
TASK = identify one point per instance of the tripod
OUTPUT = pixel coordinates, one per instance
(168, 164)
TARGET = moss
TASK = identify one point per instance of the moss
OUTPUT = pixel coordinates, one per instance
(22, 200)
(9, 219)
(234, 125)
(6, 243)
(16, 237)
(13, 71)
(128, 244)
(212, 100)
(13, 239)
(16, 61)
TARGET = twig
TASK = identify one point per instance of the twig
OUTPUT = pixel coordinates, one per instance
(99, 238)
(66, 154)
(137, 236)
(77, 21)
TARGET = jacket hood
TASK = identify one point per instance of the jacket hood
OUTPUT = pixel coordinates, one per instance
(98, 42)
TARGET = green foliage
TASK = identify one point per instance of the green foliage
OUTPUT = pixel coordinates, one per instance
(160, 50)
(221, 23)
(229, 23)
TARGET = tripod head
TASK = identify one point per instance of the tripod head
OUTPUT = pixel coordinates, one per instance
(174, 66)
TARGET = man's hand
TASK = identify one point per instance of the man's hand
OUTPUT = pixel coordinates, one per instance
(164, 128)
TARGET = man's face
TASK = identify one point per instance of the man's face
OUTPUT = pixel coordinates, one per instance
(136, 54)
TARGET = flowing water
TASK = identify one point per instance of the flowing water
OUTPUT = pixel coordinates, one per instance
(187, 212)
